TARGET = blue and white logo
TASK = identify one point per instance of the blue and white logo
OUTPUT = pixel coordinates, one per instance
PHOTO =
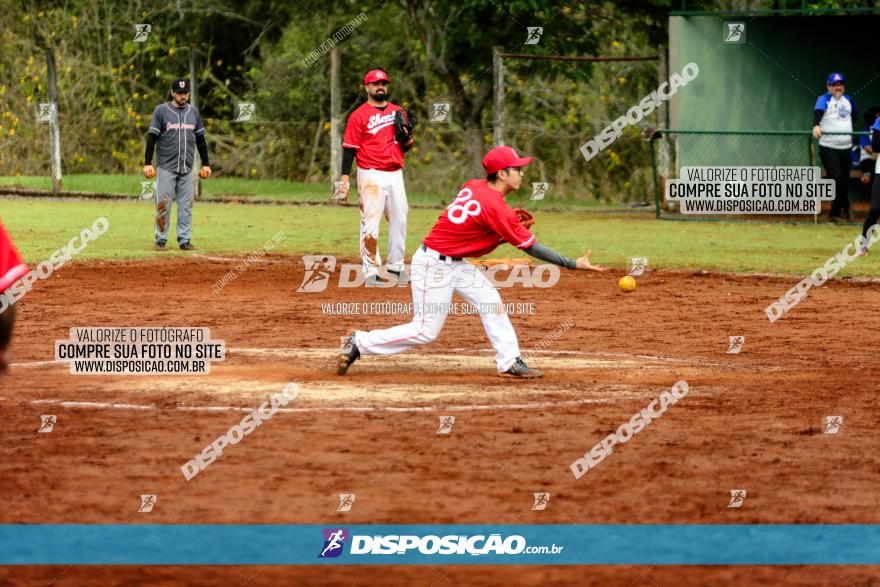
(334, 542)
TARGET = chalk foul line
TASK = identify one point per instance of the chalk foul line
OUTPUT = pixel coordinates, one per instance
(397, 409)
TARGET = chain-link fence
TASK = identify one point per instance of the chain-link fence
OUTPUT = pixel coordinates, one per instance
(671, 150)
(262, 159)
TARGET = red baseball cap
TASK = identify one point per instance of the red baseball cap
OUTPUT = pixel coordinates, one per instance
(501, 158)
(375, 76)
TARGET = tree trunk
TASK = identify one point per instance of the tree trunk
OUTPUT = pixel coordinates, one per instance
(468, 103)
(469, 116)
(316, 145)
(335, 107)
(473, 146)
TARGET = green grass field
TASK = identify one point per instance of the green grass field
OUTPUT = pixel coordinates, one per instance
(256, 189)
(41, 226)
(216, 186)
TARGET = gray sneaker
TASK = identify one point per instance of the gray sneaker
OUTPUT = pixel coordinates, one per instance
(348, 354)
(521, 370)
(376, 281)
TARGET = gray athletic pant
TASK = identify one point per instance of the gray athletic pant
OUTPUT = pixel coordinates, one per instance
(171, 187)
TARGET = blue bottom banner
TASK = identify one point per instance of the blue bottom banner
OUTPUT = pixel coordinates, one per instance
(457, 544)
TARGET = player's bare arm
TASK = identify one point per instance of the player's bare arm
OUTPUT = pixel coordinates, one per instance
(585, 264)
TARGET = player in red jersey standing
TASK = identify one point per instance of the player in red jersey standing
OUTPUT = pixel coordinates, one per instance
(372, 137)
(12, 268)
(473, 225)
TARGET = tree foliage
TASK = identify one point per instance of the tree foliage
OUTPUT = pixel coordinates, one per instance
(256, 52)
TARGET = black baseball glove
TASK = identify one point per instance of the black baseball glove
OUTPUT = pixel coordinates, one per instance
(403, 126)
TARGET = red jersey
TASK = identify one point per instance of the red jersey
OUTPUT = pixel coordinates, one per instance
(12, 268)
(476, 223)
(370, 131)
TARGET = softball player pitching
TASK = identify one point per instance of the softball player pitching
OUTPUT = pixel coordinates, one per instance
(178, 131)
(378, 133)
(473, 225)
(12, 268)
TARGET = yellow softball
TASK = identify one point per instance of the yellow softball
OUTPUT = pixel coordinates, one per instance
(627, 283)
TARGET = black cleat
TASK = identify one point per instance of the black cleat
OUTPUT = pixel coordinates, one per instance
(521, 370)
(348, 354)
(160, 246)
(401, 276)
(187, 246)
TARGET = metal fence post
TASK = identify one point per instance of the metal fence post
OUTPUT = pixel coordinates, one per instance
(498, 63)
(54, 130)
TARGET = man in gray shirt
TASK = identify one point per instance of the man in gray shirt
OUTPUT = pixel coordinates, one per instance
(178, 131)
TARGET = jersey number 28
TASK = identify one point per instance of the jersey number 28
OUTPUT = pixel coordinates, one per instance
(462, 207)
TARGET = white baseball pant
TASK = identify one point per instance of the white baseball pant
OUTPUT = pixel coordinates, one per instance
(433, 283)
(382, 192)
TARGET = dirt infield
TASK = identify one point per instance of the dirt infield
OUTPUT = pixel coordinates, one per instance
(753, 420)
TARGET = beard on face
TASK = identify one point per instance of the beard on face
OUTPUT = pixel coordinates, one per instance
(379, 95)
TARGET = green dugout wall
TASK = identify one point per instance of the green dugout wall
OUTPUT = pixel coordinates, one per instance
(772, 80)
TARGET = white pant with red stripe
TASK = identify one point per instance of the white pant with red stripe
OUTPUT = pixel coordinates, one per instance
(382, 192)
(433, 283)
